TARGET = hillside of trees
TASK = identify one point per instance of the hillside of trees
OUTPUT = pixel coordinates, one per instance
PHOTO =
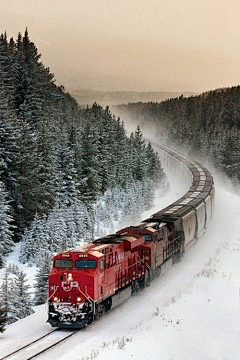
(67, 174)
(57, 160)
(207, 125)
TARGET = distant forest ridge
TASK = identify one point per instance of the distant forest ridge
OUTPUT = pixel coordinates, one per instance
(207, 125)
(88, 97)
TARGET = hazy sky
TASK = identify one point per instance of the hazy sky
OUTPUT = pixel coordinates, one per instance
(140, 45)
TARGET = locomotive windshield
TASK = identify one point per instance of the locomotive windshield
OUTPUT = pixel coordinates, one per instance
(63, 263)
(83, 264)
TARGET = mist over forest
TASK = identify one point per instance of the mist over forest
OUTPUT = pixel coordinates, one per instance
(206, 125)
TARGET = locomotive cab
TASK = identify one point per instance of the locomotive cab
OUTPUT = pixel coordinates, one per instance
(72, 289)
(92, 279)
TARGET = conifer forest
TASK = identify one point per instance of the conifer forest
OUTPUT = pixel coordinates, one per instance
(67, 174)
(206, 125)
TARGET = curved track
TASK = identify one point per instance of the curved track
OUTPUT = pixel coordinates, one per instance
(195, 208)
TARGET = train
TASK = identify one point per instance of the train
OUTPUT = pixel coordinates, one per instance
(92, 279)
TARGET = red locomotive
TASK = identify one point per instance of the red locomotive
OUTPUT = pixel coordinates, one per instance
(92, 279)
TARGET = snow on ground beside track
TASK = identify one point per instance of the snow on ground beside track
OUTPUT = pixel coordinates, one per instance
(192, 312)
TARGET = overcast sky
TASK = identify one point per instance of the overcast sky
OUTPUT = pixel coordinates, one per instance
(140, 45)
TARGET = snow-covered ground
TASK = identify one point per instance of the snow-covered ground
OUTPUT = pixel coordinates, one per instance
(192, 312)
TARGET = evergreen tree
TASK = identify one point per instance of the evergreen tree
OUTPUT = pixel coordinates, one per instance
(21, 302)
(41, 280)
(6, 242)
(3, 318)
(8, 121)
(34, 241)
(138, 158)
(6, 297)
(90, 183)
(121, 152)
(229, 153)
(65, 182)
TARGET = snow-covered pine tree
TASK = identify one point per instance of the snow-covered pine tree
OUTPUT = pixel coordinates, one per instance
(90, 182)
(6, 242)
(139, 161)
(13, 268)
(9, 130)
(57, 229)
(34, 241)
(65, 175)
(21, 302)
(33, 85)
(81, 218)
(122, 170)
(228, 154)
(3, 318)
(6, 297)
(41, 280)
(154, 176)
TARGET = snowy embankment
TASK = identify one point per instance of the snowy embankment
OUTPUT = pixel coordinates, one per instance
(192, 312)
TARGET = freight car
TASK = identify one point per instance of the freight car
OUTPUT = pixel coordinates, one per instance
(89, 280)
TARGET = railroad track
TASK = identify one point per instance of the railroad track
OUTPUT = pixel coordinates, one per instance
(40, 345)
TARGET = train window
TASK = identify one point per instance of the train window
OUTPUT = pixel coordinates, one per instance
(63, 263)
(147, 237)
(83, 264)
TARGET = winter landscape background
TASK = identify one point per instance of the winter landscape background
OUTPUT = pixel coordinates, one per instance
(71, 170)
(68, 181)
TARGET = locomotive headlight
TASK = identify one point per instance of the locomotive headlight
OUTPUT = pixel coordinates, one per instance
(78, 299)
(55, 298)
(52, 287)
(70, 277)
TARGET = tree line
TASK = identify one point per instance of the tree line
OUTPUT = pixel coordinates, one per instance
(67, 174)
(206, 125)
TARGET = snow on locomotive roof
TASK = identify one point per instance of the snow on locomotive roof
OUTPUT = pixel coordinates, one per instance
(145, 224)
(151, 229)
(97, 254)
(149, 225)
(91, 249)
(100, 247)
